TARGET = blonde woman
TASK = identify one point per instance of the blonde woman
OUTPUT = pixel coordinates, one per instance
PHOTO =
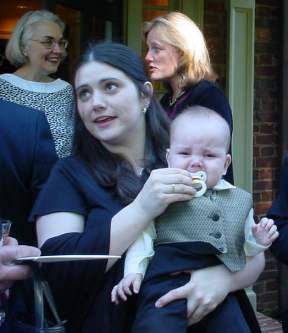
(177, 55)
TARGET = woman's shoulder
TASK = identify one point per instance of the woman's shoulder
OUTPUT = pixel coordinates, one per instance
(61, 84)
(76, 170)
(203, 86)
(71, 174)
(36, 87)
(210, 95)
(71, 165)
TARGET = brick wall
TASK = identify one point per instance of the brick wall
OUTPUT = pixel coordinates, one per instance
(267, 113)
(267, 132)
(215, 31)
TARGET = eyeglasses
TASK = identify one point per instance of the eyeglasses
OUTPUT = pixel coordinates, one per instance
(50, 43)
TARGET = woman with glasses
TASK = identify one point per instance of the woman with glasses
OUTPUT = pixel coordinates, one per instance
(36, 48)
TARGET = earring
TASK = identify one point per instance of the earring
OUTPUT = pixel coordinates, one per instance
(144, 110)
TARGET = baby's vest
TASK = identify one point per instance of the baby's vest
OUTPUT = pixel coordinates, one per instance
(217, 218)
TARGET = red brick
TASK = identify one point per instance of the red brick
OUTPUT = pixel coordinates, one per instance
(266, 71)
(267, 116)
(262, 207)
(263, 35)
(268, 296)
(266, 128)
(272, 285)
(267, 163)
(269, 275)
(268, 151)
(267, 196)
(265, 173)
(215, 6)
(256, 151)
(265, 139)
(264, 59)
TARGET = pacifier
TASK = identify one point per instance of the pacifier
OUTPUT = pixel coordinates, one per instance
(199, 182)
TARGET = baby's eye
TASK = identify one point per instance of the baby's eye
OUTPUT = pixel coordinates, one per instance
(184, 153)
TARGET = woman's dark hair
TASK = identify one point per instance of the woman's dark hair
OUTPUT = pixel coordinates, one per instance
(111, 170)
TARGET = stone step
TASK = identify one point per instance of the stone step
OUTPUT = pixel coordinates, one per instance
(269, 325)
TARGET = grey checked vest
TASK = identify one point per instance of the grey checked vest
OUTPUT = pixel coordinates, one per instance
(217, 218)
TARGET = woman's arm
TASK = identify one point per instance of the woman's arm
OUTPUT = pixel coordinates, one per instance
(163, 187)
(55, 224)
(208, 287)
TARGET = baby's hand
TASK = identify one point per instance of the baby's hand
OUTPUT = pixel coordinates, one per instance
(127, 286)
(265, 232)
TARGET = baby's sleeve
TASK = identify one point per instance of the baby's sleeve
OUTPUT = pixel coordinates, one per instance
(251, 247)
(140, 252)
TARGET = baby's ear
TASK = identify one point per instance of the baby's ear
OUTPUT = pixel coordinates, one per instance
(227, 163)
(168, 156)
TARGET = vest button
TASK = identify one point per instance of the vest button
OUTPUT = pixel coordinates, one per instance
(213, 196)
(221, 249)
(216, 234)
(215, 217)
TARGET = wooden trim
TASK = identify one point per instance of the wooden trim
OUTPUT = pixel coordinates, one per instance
(134, 24)
(195, 10)
(241, 87)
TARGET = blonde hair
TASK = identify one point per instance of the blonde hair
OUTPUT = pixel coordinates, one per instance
(179, 31)
(23, 32)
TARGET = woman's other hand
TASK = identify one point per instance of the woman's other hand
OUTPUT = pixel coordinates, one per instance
(208, 287)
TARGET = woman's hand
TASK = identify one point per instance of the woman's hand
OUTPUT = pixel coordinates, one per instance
(163, 187)
(206, 289)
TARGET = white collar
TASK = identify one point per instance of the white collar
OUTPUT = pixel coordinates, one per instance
(223, 185)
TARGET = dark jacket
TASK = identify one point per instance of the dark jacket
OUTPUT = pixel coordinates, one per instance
(279, 212)
(27, 153)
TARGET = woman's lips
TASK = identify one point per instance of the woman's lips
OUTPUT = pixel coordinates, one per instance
(104, 121)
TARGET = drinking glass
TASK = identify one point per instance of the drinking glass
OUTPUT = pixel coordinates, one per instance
(4, 233)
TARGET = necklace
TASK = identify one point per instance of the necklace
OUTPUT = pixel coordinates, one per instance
(174, 99)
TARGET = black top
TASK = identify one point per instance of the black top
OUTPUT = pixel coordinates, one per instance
(82, 289)
(279, 212)
(204, 93)
(27, 153)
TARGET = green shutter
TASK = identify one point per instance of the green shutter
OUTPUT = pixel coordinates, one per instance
(134, 24)
(241, 87)
(194, 9)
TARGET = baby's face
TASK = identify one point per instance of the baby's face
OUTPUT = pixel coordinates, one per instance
(199, 147)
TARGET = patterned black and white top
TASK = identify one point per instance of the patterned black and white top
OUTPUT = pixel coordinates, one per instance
(55, 99)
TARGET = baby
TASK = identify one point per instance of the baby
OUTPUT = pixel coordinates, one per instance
(216, 227)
